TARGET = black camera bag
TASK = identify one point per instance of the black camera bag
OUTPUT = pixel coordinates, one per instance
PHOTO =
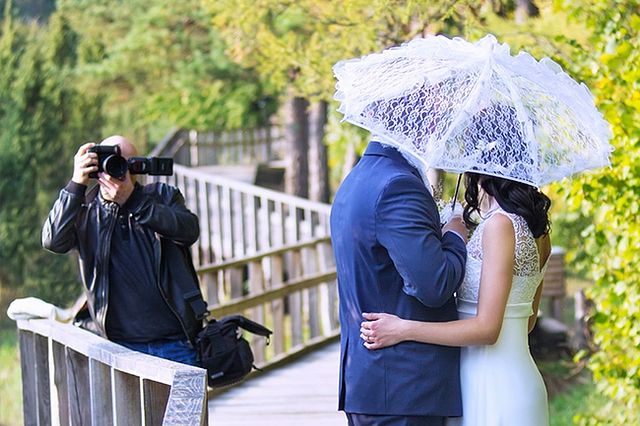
(224, 353)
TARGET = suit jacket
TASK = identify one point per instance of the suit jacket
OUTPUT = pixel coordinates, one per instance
(391, 257)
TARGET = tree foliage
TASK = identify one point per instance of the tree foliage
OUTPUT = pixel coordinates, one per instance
(159, 61)
(297, 43)
(609, 62)
(43, 120)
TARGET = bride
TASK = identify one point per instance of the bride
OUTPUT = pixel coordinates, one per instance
(497, 305)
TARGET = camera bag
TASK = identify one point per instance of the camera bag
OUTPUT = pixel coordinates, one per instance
(224, 353)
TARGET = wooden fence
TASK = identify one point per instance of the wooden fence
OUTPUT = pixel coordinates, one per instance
(248, 146)
(239, 219)
(73, 377)
(291, 290)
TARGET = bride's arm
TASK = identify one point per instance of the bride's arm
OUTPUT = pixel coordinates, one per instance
(498, 246)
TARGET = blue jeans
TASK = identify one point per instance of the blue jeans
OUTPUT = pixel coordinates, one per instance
(174, 350)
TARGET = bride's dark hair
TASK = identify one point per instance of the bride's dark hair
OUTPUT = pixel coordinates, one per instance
(513, 197)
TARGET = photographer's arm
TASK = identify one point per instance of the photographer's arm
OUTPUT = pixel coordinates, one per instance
(58, 231)
(171, 220)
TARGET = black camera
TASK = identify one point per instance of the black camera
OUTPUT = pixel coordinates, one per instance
(111, 162)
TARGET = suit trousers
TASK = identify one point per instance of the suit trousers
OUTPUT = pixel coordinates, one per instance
(383, 420)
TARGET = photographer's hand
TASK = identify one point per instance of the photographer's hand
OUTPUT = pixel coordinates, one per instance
(114, 189)
(84, 163)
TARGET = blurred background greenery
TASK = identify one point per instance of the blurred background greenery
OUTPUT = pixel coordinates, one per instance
(73, 71)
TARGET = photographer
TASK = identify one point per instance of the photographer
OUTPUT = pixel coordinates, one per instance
(133, 245)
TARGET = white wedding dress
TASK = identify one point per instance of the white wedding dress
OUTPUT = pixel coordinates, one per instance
(501, 385)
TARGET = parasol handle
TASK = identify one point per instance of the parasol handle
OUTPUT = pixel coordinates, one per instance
(455, 195)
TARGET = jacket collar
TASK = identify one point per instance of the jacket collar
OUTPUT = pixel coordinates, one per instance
(378, 149)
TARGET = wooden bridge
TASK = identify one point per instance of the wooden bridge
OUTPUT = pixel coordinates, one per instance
(261, 253)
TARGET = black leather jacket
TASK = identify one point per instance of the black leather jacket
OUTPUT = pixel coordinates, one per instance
(86, 225)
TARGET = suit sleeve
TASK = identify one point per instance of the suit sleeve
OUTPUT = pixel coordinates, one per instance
(408, 226)
(171, 219)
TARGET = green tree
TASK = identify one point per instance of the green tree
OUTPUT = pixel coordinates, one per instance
(609, 62)
(295, 44)
(43, 120)
(159, 62)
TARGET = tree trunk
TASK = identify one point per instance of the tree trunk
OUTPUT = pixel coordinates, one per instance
(525, 9)
(318, 166)
(297, 134)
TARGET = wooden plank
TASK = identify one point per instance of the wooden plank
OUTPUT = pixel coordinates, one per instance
(303, 392)
(290, 288)
(256, 286)
(227, 222)
(295, 301)
(187, 404)
(204, 217)
(154, 399)
(237, 220)
(29, 381)
(126, 392)
(101, 395)
(258, 256)
(215, 218)
(78, 386)
(321, 208)
(277, 305)
(43, 389)
(60, 382)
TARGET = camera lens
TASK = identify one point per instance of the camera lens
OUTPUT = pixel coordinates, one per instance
(115, 166)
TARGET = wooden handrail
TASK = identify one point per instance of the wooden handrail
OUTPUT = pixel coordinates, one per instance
(214, 267)
(94, 381)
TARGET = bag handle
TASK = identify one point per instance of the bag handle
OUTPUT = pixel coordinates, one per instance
(247, 324)
(197, 303)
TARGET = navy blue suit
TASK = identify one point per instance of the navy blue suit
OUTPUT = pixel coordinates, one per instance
(391, 257)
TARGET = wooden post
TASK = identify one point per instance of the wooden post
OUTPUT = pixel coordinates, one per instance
(79, 388)
(101, 398)
(154, 399)
(126, 389)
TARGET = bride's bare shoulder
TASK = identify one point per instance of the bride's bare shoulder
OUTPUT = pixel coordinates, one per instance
(498, 230)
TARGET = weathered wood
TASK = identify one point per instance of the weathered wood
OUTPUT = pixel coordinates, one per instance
(60, 383)
(290, 288)
(295, 301)
(126, 390)
(154, 399)
(29, 381)
(101, 399)
(42, 380)
(96, 381)
(273, 252)
(78, 387)
(256, 286)
(187, 399)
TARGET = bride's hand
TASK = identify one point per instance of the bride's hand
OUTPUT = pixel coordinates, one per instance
(381, 330)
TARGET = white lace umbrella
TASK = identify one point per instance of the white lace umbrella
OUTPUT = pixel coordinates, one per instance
(461, 106)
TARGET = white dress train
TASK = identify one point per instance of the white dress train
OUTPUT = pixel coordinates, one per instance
(501, 385)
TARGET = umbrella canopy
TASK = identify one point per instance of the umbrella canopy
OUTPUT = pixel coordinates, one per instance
(461, 106)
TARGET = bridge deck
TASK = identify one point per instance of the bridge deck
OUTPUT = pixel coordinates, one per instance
(302, 393)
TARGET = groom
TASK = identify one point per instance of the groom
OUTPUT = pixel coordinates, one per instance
(393, 256)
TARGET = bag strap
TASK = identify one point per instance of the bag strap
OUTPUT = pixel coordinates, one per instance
(247, 324)
(197, 303)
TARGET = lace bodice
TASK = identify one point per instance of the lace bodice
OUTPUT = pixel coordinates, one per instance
(526, 270)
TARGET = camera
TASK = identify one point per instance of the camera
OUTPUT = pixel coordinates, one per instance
(111, 162)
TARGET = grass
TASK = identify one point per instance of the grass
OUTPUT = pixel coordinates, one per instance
(10, 381)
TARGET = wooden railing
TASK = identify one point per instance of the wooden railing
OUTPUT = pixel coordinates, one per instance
(291, 290)
(249, 146)
(73, 377)
(239, 220)
(554, 289)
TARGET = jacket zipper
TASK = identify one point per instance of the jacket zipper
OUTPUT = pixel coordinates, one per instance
(156, 250)
(113, 213)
